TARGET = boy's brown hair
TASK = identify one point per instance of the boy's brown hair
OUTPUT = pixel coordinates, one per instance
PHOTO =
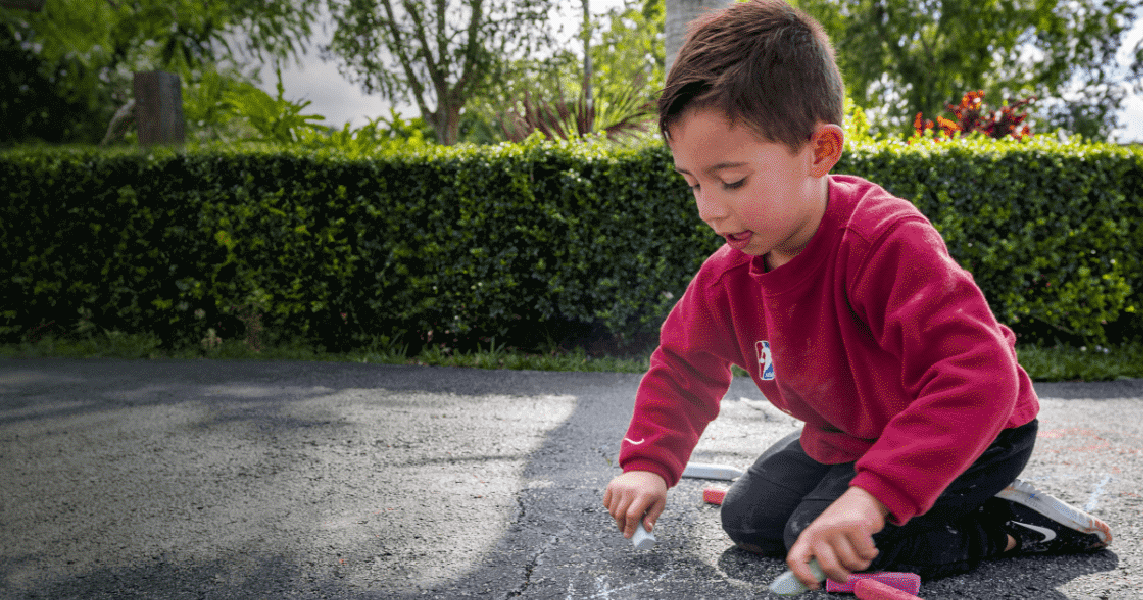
(762, 62)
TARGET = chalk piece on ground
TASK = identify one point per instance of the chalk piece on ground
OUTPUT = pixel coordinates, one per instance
(871, 589)
(708, 471)
(906, 582)
(713, 495)
(642, 540)
(788, 585)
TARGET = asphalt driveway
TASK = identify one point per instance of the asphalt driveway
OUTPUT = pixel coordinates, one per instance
(229, 479)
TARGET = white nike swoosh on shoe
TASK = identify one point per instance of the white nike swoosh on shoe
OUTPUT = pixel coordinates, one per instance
(633, 442)
(1048, 534)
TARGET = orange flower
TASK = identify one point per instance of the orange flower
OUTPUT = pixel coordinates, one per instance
(948, 127)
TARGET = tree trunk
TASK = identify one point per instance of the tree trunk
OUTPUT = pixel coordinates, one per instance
(446, 122)
(679, 14)
(159, 108)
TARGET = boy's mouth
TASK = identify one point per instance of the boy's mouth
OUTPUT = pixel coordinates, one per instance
(739, 241)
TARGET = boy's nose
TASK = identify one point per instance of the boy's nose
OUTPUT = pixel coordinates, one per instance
(710, 209)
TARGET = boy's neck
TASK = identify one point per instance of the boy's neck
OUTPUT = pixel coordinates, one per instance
(773, 259)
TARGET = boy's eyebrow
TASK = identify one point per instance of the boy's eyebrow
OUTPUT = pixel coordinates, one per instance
(713, 168)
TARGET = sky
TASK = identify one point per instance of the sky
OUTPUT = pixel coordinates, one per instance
(340, 101)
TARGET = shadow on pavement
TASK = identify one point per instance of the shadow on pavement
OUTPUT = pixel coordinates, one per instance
(557, 541)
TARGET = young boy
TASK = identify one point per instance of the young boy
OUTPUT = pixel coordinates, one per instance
(842, 303)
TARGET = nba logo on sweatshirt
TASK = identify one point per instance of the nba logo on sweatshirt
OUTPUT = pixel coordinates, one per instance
(765, 359)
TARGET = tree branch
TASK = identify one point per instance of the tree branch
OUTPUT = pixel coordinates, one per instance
(472, 68)
(435, 72)
(443, 37)
(398, 49)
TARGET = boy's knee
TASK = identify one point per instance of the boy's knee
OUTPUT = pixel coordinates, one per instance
(734, 516)
(731, 518)
(736, 512)
(755, 542)
(740, 521)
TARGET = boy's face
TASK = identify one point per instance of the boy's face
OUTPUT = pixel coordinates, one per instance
(756, 194)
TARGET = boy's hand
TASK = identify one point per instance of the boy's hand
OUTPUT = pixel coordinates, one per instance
(631, 496)
(841, 538)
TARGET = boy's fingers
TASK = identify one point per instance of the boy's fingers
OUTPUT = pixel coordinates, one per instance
(849, 562)
(798, 560)
(802, 571)
(866, 548)
(856, 552)
(832, 564)
(621, 520)
(633, 514)
(653, 514)
(628, 514)
(616, 508)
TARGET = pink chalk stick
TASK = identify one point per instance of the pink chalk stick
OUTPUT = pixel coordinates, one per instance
(712, 495)
(871, 589)
(906, 582)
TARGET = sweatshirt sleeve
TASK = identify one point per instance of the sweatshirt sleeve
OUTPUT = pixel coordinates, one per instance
(955, 361)
(680, 393)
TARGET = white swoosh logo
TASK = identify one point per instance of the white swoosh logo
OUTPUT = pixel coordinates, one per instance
(633, 442)
(1048, 534)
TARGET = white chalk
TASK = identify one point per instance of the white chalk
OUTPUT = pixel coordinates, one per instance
(707, 471)
(1095, 494)
(788, 585)
(642, 540)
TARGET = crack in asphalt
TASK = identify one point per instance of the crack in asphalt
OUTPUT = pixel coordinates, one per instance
(537, 558)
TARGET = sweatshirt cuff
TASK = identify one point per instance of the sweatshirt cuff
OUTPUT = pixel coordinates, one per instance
(902, 507)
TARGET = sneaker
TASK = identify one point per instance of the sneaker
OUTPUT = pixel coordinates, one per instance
(1042, 523)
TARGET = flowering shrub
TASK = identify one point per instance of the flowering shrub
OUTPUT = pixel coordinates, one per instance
(972, 115)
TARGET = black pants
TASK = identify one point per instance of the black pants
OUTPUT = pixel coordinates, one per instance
(785, 490)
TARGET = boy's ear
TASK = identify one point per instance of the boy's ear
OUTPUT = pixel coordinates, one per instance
(828, 143)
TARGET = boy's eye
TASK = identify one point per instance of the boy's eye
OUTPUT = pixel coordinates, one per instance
(735, 185)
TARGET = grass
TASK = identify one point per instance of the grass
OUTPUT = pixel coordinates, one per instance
(1057, 363)
(1095, 363)
(119, 345)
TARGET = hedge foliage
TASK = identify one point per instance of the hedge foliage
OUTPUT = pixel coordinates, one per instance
(478, 241)
(526, 241)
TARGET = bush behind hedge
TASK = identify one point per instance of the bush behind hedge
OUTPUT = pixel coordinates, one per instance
(516, 241)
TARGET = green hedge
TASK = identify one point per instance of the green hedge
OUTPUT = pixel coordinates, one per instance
(517, 241)
(459, 242)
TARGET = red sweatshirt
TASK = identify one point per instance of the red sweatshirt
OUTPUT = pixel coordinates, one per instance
(872, 335)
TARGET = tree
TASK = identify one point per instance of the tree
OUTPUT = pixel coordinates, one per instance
(930, 52)
(631, 47)
(167, 33)
(440, 54)
(679, 14)
(88, 48)
(626, 54)
(31, 105)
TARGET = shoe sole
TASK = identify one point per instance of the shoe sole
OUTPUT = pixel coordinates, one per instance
(1057, 510)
